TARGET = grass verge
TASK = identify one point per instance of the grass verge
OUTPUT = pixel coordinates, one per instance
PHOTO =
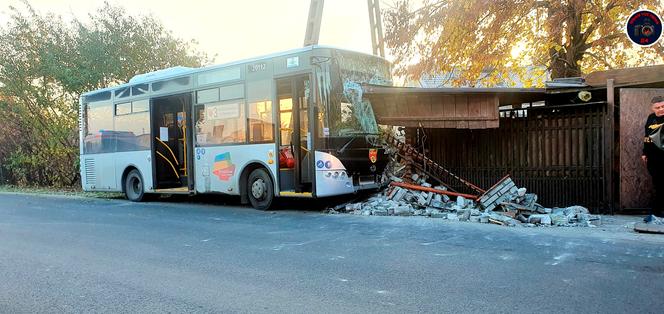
(59, 191)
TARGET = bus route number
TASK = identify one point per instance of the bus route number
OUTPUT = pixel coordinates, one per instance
(257, 67)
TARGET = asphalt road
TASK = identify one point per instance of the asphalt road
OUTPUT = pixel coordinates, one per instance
(63, 254)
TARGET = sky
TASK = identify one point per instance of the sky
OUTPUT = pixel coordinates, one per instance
(236, 29)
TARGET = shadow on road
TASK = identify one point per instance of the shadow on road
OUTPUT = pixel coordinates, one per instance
(298, 204)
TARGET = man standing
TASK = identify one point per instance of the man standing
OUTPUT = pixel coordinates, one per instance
(653, 156)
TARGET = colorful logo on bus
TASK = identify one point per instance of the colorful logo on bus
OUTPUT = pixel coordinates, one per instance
(223, 168)
(373, 155)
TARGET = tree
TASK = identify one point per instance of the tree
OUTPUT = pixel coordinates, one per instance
(46, 63)
(488, 40)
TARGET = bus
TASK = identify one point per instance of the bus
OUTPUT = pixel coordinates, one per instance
(290, 124)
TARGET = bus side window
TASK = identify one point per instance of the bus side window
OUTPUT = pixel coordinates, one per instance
(199, 121)
(260, 121)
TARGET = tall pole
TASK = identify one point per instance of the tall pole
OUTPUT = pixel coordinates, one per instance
(377, 41)
(313, 22)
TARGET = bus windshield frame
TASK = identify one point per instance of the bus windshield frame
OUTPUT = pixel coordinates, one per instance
(342, 111)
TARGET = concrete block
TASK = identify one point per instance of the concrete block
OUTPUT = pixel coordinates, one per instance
(393, 192)
(396, 179)
(521, 192)
(452, 216)
(403, 210)
(438, 214)
(400, 195)
(461, 201)
(437, 204)
(578, 209)
(379, 212)
(504, 219)
(521, 218)
(539, 219)
(421, 200)
(559, 219)
(464, 214)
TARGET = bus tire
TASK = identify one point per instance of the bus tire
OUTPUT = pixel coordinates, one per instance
(260, 189)
(134, 187)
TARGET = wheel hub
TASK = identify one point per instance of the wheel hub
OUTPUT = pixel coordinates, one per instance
(135, 184)
(258, 189)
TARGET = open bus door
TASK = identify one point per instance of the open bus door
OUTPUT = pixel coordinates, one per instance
(171, 143)
(294, 145)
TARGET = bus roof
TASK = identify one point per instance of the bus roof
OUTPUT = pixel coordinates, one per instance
(181, 71)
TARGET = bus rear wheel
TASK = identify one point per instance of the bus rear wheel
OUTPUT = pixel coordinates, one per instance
(260, 189)
(134, 189)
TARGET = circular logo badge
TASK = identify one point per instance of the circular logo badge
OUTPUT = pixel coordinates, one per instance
(644, 28)
(319, 164)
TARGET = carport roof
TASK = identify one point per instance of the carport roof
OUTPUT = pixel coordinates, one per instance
(506, 96)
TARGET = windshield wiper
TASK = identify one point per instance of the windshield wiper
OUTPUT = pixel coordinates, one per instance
(343, 148)
(354, 135)
(361, 133)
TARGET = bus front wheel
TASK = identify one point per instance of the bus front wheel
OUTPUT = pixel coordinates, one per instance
(260, 189)
(134, 189)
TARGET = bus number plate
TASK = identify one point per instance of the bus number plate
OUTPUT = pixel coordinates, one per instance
(257, 67)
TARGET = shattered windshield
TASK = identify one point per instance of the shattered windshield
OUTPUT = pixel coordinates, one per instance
(348, 112)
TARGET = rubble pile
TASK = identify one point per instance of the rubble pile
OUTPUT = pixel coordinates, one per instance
(411, 194)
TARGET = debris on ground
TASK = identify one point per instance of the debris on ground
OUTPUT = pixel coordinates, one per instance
(414, 189)
(651, 224)
(652, 219)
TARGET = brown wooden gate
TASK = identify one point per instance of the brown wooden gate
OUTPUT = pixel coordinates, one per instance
(556, 152)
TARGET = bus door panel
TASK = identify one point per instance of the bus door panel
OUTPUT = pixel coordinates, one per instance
(294, 161)
(171, 145)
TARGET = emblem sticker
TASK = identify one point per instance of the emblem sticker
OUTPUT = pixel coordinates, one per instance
(644, 28)
(373, 155)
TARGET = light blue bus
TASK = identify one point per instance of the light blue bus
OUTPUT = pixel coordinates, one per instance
(290, 124)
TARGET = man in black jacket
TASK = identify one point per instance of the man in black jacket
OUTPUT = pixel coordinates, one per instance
(653, 156)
